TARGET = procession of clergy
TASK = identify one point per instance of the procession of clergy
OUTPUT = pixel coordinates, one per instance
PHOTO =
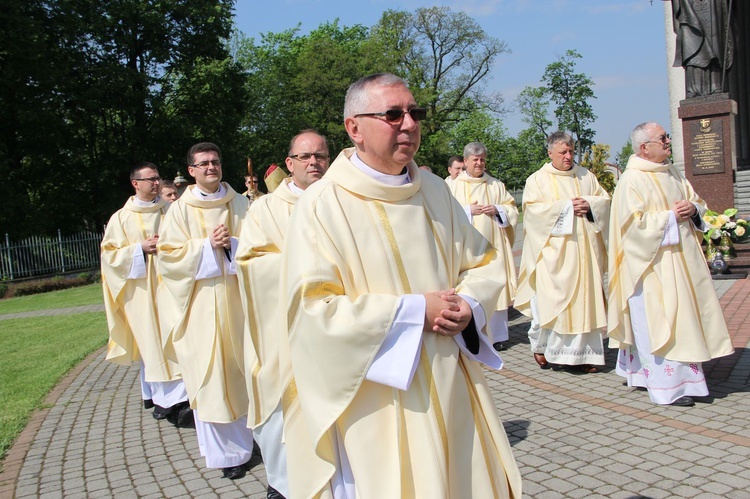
(340, 321)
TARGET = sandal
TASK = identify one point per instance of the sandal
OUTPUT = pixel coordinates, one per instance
(539, 358)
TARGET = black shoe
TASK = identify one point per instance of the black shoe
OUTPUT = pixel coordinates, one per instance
(684, 402)
(499, 346)
(160, 412)
(234, 472)
(148, 404)
(272, 493)
(181, 415)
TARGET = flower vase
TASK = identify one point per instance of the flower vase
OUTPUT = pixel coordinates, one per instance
(710, 250)
(727, 247)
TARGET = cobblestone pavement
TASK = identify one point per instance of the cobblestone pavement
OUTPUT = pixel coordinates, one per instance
(572, 435)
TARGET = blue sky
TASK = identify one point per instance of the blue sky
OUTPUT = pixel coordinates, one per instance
(621, 41)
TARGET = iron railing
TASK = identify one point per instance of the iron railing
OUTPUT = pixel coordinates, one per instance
(42, 255)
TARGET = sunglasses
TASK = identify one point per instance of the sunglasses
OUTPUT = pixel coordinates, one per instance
(397, 115)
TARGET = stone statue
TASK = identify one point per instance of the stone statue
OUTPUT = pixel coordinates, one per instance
(705, 47)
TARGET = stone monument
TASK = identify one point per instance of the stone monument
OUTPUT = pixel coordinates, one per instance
(705, 48)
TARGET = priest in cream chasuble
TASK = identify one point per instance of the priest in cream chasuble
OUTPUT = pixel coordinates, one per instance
(560, 283)
(388, 291)
(664, 314)
(493, 212)
(258, 270)
(130, 280)
(203, 319)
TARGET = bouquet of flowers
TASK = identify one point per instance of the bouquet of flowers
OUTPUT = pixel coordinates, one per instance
(723, 225)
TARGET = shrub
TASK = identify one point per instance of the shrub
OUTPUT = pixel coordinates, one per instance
(50, 284)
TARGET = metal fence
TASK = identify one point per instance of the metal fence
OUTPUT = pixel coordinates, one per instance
(517, 196)
(42, 255)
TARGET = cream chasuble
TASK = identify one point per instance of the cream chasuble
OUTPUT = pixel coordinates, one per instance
(489, 190)
(203, 321)
(130, 304)
(685, 321)
(564, 272)
(354, 247)
(259, 270)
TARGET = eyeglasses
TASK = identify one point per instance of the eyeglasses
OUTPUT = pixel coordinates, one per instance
(149, 180)
(307, 156)
(662, 139)
(205, 164)
(397, 115)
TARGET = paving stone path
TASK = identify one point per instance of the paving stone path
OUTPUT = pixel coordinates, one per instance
(573, 436)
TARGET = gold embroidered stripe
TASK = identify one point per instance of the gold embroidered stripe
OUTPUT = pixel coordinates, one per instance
(289, 396)
(426, 368)
(386, 224)
(424, 363)
(311, 290)
(480, 424)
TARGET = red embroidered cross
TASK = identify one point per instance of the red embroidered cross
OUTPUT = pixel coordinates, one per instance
(668, 369)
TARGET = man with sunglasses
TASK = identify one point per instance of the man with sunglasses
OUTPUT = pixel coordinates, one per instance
(493, 212)
(386, 293)
(259, 262)
(201, 308)
(664, 315)
(130, 279)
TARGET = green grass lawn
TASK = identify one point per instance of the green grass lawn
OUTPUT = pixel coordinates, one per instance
(72, 297)
(36, 352)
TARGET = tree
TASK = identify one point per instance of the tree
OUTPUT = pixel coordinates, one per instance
(479, 126)
(571, 92)
(622, 157)
(533, 103)
(300, 81)
(297, 82)
(522, 156)
(595, 160)
(97, 86)
(446, 58)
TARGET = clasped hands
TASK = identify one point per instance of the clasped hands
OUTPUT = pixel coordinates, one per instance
(580, 207)
(220, 237)
(684, 210)
(483, 209)
(149, 245)
(446, 313)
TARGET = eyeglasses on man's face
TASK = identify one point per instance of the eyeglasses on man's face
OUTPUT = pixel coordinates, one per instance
(205, 164)
(304, 157)
(661, 139)
(397, 115)
(150, 180)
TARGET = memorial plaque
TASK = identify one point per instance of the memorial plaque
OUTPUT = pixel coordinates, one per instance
(710, 159)
(706, 146)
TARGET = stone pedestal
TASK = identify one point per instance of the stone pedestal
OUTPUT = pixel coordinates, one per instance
(708, 141)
